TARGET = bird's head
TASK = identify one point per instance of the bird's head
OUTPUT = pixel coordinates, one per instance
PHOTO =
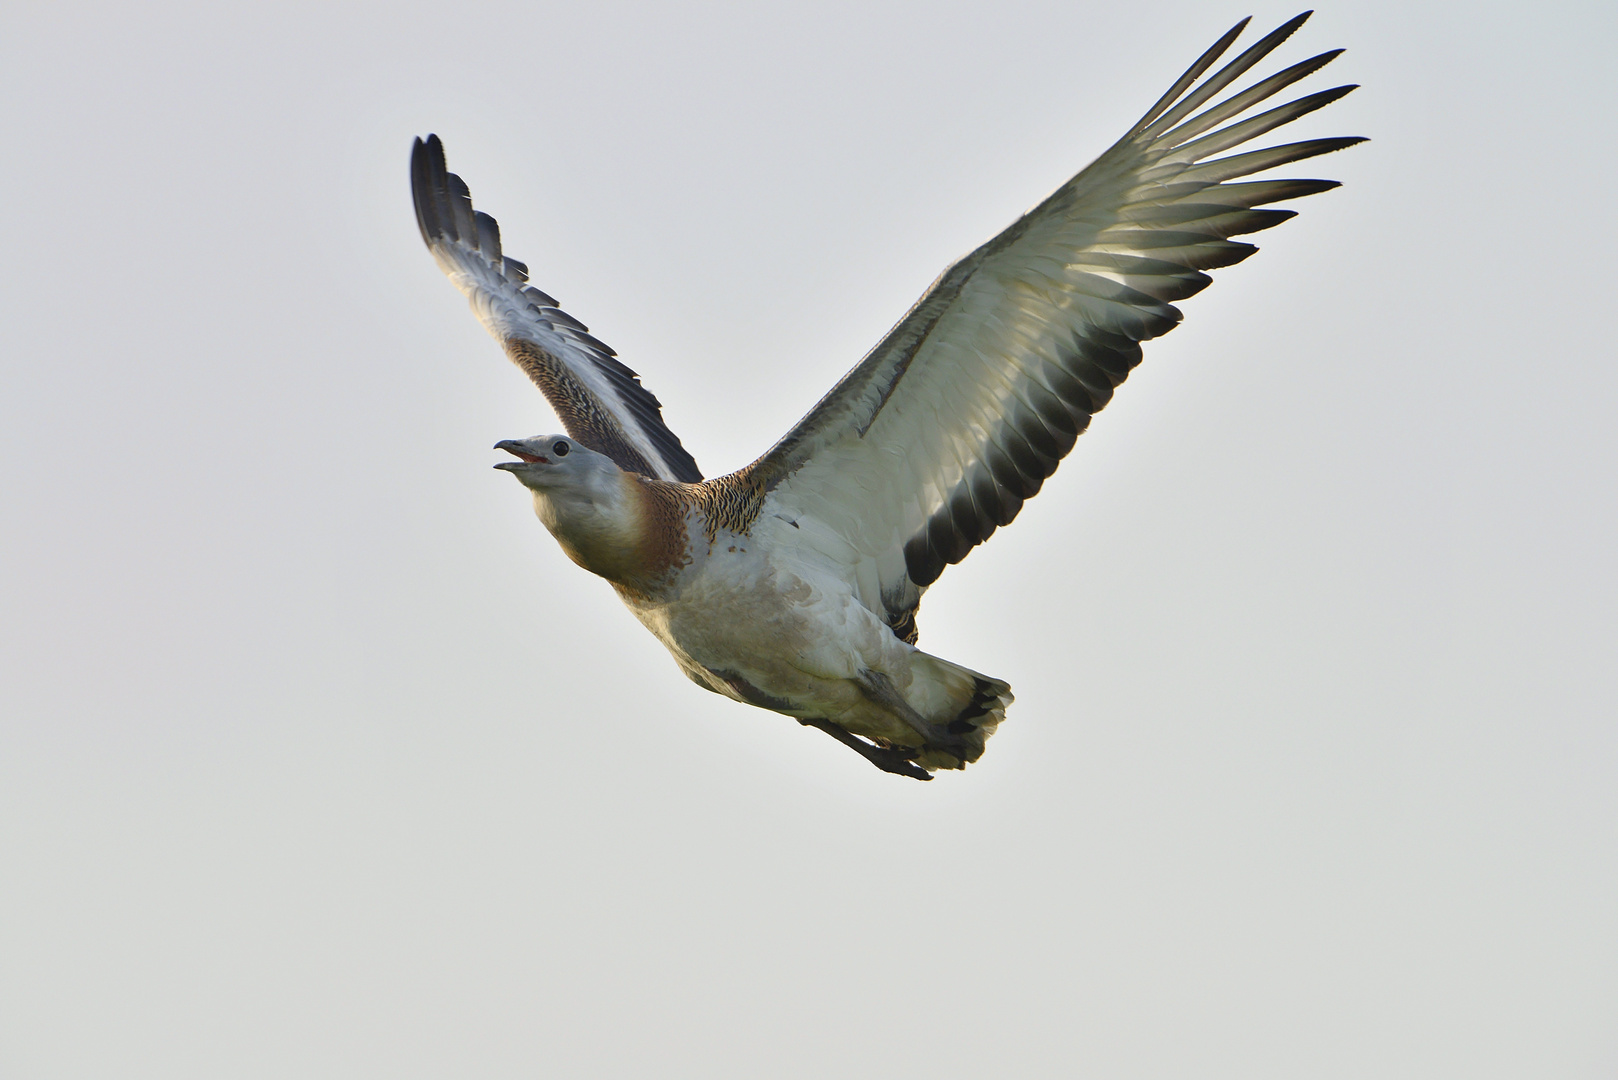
(582, 497)
(557, 465)
(562, 468)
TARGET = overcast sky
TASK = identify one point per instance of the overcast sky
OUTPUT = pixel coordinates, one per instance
(319, 758)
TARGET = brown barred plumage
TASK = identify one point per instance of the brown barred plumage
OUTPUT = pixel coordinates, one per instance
(731, 502)
(580, 410)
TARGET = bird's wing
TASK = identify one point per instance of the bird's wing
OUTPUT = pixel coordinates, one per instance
(938, 436)
(600, 401)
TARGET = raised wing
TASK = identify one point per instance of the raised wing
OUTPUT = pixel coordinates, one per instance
(599, 400)
(938, 436)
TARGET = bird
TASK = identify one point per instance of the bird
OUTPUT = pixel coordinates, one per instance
(793, 583)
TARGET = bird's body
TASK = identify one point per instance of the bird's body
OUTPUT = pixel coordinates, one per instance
(793, 583)
(749, 604)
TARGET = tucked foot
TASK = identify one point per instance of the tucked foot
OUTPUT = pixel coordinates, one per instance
(899, 762)
(880, 689)
(888, 759)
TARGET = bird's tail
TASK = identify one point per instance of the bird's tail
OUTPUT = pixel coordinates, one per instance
(966, 705)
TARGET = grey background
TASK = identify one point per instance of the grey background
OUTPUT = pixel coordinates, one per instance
(320, 760)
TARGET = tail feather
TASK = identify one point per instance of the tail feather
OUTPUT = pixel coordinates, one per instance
(963, 702)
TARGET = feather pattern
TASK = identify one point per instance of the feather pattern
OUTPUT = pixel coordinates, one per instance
(956, 418)
(600, 401)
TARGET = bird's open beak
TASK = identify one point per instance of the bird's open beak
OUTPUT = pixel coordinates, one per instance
(516, 448)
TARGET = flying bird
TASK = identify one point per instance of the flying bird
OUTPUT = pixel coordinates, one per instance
(792, 584)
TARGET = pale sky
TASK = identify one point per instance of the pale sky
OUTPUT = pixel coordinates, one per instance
(319, 758)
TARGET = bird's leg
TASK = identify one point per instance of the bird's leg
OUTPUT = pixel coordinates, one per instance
(887, 759)
(880, 689)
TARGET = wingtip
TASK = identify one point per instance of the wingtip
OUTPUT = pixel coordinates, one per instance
(423, 156)
(1290, 27)
(1332, 146)
(425, 153)
(1209, 57)
(1172, 107)
(1335, 93)
(440, 196)
(1287, 29)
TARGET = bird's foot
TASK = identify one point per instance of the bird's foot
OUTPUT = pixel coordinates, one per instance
(894, 760)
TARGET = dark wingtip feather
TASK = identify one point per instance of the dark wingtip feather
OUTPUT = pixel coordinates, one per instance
(1288, 28)
(488, 236)
(1275, 191)
(1192, 74)
(443, 202)
(1343, 143)
(1216, 82)
(427, 167)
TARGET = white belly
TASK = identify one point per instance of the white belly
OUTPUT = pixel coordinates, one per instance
(753, 626)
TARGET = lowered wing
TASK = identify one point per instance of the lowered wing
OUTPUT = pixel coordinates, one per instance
(600, 401)
(939, 435)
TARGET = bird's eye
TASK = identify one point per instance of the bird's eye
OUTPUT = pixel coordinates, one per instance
(560, 448)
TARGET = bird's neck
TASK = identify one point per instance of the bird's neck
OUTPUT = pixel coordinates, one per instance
(634, 534)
